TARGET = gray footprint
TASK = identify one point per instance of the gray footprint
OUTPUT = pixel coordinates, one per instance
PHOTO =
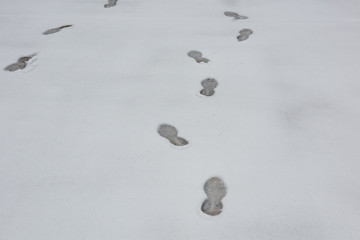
(198, 56)
(55, 30)
(209, 85)
(170, 133)
(234, 15)
(20, 64)
(111, 3)
(215, 190)
(244, 34)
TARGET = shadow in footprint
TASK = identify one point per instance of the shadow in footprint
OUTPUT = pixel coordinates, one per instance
(55, 30)
(244, 34)
(234, 15)
(20, 64)
(209, 85)
(198, 56)
(170, 133)
(111, 3)
(215, 190)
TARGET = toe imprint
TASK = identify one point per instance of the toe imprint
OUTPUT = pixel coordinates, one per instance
(198, 56)
(215, 190)
(170, 133)
(209, 85)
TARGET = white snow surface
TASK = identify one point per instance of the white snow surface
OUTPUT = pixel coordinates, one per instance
(80, 156)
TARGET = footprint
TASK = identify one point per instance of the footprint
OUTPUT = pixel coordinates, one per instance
(234, 15)
(215, 190)
(20, 64)
(170, 133)
(198, 56)
(55, 30)
(244, 34)
(209, 85)
(111, 3)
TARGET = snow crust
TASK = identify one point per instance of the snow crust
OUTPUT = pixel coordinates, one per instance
(80, 156)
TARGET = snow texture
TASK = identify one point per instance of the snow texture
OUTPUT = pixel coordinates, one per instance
(80, 156)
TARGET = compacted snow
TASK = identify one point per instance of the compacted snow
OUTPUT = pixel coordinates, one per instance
(87, 87)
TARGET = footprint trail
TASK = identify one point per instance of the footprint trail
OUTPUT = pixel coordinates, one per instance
(244, 34)
(234, 15)
(198, 56)
(170, 133)
(20, 64)
(209, 85)
(111, 3)
(55, 30)
(215, 190)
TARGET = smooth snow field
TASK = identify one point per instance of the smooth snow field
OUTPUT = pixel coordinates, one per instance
(179, 120)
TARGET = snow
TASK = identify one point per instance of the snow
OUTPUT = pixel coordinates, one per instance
(80, 156)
